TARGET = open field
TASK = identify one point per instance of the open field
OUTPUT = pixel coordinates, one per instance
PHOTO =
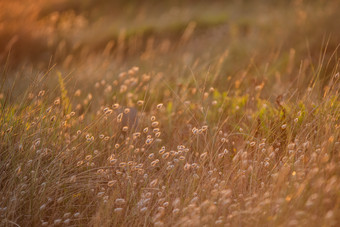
(169, 113)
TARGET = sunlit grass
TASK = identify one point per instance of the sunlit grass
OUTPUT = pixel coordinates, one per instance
(187, 129)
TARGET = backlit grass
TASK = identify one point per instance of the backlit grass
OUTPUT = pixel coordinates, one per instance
(226, 115)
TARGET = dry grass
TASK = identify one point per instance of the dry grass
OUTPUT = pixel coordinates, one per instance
(238, 114)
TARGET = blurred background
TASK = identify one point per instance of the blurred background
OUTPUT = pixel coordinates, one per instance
(226, 37)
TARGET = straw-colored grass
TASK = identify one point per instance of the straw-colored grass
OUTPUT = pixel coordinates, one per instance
(225, 114)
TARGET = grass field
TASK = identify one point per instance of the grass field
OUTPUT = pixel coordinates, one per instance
(237, 113)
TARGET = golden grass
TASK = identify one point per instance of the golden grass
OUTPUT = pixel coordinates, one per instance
(236, 131)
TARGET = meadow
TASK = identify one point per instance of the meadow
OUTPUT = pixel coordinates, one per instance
(237, 113)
